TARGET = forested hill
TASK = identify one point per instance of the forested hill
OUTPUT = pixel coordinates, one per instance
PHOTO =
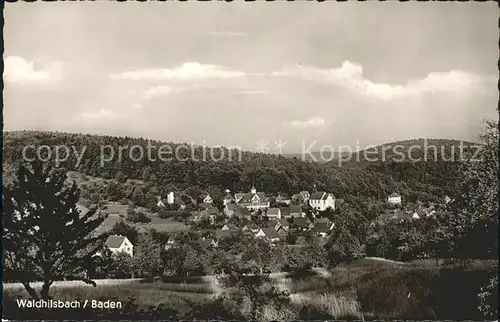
(427, 180)
(393, 151)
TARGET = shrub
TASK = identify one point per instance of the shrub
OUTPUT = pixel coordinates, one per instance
(137, 217)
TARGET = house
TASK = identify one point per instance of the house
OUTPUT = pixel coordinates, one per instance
(205, 206)
(229, 226)
(296, 211)
(273, 213)
(302, 197)
(282, 231)
(205, 198)
(209, 242)
(305, 195)
(254, 200)
(221, 234)
(228, 199)
(283, 199)
(251, 227)
(394, 199)
(170, 242)
(269, 233)
(160, 203)
(323, 228)
(120, 244)
(321, 201)
(238, 196)
(282, 224)
(229, 209)
(292, 211)
(301, 223)
(209, 214)
(170, 198)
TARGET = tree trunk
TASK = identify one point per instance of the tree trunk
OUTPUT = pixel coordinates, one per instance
(44, 293)
(31, 291)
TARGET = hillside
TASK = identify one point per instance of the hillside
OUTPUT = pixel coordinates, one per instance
(393, 151)
(269, 173)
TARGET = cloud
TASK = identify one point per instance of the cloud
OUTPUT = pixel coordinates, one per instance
(155, 92)
(187, 71)
(101, 114)
(314, 122)
(20, 70)
(350, 76)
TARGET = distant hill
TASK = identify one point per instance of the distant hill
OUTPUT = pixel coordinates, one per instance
(393, 151)
(426, 180)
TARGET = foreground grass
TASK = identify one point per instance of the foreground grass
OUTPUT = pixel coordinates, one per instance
(361, 290)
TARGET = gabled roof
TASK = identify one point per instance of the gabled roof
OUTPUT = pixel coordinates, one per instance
(282, 196)
(295, 209)
(204, 205)
(323, 220)
(231, 226)
(232, 206)
(394, 195)
(319, 195)
(207, 241)
(283, 222)
(115, 241)
(270, 232)
(240, 211)
(228, 197)
(246, 198)
(322, 227)
(273, 211)
(252, 226)
(285, 211)
(301, 221)
(222, 233)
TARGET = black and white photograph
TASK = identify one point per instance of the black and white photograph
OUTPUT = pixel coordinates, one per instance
(265, 161)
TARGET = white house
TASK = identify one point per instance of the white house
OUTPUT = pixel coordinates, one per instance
(394, 199)
(118, 244)
(170, 198)
(322, 201)
(253, 200)
(207, 199)
(160, 202)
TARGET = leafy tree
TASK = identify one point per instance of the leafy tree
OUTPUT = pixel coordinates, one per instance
(46, 238)
(258, 288)
(120, 177)
(121, 228)
(147, 257)
(138, 196)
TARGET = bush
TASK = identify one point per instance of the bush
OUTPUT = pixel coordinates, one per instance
(137, 217)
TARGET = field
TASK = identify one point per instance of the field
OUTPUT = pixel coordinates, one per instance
(117, 212)
(365, 289)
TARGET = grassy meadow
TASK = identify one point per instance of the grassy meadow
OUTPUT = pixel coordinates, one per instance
(365, 289)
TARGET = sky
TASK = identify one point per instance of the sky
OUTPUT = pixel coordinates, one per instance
(235, 74)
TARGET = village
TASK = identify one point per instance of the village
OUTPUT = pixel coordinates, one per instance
(273, 218)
